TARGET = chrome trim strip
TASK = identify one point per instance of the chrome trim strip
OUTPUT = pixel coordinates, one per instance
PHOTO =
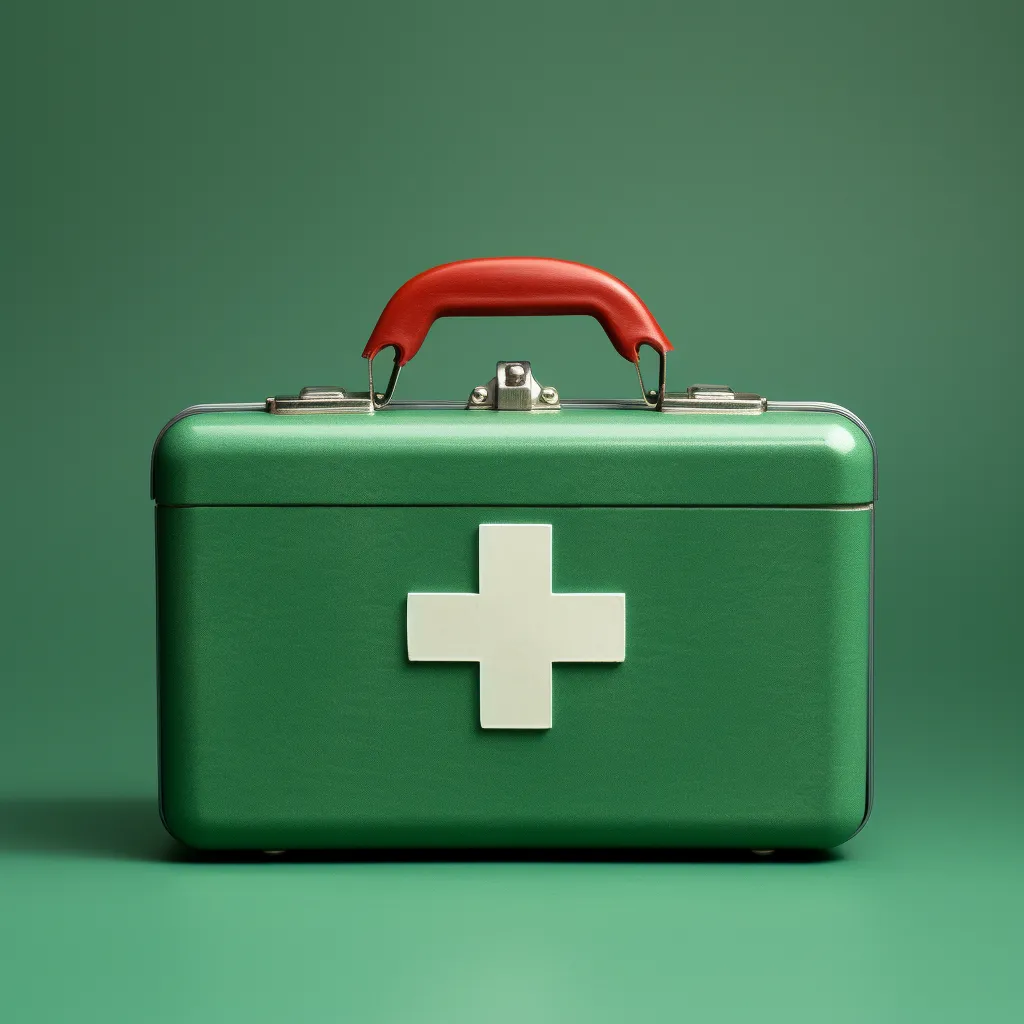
(439, 403)
(572, 403)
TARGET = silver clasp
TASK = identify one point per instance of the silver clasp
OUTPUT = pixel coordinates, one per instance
(514, 389)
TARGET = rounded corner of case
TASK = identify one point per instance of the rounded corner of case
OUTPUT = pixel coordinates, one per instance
(847, 832)
(186, 828)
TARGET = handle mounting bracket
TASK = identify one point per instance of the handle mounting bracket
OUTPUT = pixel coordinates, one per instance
(513, 388)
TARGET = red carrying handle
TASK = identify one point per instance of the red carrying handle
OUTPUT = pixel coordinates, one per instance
(514, 286)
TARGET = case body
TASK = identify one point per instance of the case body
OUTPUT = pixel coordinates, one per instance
(291, 716)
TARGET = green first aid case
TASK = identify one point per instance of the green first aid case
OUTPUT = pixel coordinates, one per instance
(517, 621)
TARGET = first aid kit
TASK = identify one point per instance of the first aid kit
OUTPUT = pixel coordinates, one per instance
(518, 620)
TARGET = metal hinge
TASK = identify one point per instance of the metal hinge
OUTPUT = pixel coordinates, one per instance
(715, 398)
(513, 389)
(326, 400)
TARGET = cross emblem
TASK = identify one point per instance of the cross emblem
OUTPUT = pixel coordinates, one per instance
(515, 627)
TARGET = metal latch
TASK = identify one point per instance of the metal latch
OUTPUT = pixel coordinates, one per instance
(713, 398)
(326, 400)
(514, 389)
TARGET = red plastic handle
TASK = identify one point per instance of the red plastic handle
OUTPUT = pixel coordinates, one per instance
(514, 286)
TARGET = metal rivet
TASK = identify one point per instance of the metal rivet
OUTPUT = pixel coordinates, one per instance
(479, 396)
(549, 396)
(515, 375)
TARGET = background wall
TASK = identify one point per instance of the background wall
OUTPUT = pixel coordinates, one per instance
(212, 202)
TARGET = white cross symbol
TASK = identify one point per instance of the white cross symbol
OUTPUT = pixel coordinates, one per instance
(516, 627)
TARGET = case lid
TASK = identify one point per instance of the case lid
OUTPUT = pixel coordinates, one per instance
(585, 457)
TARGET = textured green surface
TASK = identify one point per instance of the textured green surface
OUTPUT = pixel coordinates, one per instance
(291, 717)
(572, 457)
(212, 200)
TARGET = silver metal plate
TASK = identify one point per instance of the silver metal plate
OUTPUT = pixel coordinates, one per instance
(332, 400)
(716, 398)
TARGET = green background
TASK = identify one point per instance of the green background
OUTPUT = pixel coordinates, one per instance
(212, 202)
